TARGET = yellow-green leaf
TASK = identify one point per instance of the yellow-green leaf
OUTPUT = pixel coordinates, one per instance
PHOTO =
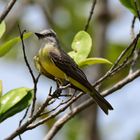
(93, 61)
(2, 28)
(72, 54)
(15, 101)
(81, 46)
(6, 47)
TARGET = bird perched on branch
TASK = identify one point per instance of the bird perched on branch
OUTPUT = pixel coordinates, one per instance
(55, 63)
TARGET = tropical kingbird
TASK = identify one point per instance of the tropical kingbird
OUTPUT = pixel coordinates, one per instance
(54, 63)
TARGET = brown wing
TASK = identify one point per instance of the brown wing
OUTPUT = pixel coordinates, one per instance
(64, 62)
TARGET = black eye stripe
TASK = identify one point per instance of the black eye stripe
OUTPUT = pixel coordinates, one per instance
(51, 34)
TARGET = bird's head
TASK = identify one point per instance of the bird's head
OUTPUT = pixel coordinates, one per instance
(47, 35)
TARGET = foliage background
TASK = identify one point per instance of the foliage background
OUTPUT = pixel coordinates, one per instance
(67, 18)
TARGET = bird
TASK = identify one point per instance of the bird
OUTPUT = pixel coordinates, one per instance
(53, 62)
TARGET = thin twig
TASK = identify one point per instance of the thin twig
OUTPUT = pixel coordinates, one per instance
(56, 113)
(20, 138)
(60, 122)
(7, 10)
(122, 83)
(58, 91)
(111, 73)
(134, 42)
(48, 112)
(35, 91)
(116, 68)
(62, 103)
(24, 116)
(133, 22)
(132, 27)
(35, 80)
(134, 60)
(24, 54)
(90, 15)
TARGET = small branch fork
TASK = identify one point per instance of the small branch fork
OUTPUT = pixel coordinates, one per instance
(35, 80)
(116, 67)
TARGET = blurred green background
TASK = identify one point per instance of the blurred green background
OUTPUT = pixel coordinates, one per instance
(110, 30)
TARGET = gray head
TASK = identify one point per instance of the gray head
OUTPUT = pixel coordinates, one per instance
(47, 35)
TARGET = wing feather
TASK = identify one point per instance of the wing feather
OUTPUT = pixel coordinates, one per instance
(64, 62)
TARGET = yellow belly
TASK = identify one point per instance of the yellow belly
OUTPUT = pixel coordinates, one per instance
(53, 70)
(49, 66)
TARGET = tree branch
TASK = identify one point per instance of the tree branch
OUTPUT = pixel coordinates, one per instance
(60, 122)
(117, 67)
(56, 113)
(134, 43)
(7, 10)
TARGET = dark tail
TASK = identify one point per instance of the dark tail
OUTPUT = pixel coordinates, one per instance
(104, 104)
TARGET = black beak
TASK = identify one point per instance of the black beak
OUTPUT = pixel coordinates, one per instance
(39, 35)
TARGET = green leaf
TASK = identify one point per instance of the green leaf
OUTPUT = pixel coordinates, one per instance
(130, 4)
(72, 54)
(15, 101)
(2, 28)
(0, 88)
(11, 43)
(93, 61)
(81, 46)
